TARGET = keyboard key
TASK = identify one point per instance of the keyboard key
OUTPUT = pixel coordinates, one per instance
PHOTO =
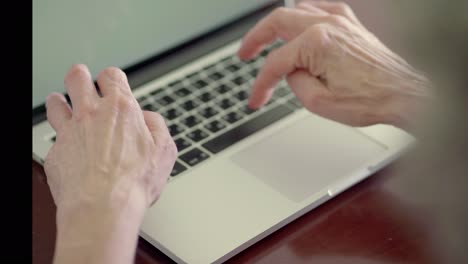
(175, 83)
(182, 144)
(239, 80)
(241, 95)
(206, 96)
(156, 92)
(189, 105)
(295, 103)
(216, 76)
(177, 169)
(183, 92)
(223, 88)
(191, 121)
(232, 68)
(281, 91)
(175, 129)
(246, 110)
(141, 99)
(230, 137)
(254, 72)
(165, 100)
(215, 126)
(53, 138)
(225, 103)
(172, 113)
(208, 112)
(194, 156)
(233, 117)
(200, 84)
(150, 107)
(197, 135)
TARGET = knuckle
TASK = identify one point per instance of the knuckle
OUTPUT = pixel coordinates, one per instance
(337, 20)
(115, 74)
(77, 71)
(124, 103)
(319, 35)
(280, 11)
(342, 6)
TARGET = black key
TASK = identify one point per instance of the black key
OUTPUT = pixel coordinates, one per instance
(141, 99)
(254, 72)
(239, 80)
(281, 91)
(157, 91)
(197, 135)
(225, 140)
(223, 88)
(189, 105)
(208, 112)
(165, 100)
(172, 113)
(149, 107)
(175, 83)
(247, 110)
(232, 68)
(241, 95)
(194, 156)
(192, 74)
(206, 96)
(225, 103)
(215, 126)
(295, 103)
(233, 117)
(183, 92)
(216, 76)
(209, 67)
(191, 121)
(175, 129)
(177, 169)
(182, 144)
(228, 58)
(53, 139)
(200, 84)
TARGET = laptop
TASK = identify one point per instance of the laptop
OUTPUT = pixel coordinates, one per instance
(240, 174)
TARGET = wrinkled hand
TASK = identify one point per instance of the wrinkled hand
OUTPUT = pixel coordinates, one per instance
(334, 65)
(107, 151)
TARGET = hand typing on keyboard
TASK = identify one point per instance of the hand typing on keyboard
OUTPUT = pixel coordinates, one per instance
(335, 66)
(109, 163)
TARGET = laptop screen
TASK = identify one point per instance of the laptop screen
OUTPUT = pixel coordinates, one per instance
(116, 33)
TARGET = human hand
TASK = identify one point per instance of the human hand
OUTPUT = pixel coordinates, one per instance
(334, 65)
(108, 154)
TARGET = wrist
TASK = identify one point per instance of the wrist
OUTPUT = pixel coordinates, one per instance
(408, 102)
(93, 230)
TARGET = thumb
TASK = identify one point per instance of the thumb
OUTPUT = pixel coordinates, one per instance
(310, 91)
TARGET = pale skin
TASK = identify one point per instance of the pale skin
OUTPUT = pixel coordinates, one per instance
(111, 160)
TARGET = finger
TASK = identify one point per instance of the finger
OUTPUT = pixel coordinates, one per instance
(80, 87)
(58, 111)
(318, 99)
(310, 91)
(305, 52)
(156, 125)
(283, 23)
(335, 8)
(113, 80)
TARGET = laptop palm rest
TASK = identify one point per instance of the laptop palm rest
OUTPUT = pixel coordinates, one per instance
(308, 156)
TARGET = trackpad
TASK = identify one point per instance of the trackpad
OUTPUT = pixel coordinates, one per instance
(307, 156)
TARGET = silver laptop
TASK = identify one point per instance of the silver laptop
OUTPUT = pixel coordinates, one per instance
(240, 174)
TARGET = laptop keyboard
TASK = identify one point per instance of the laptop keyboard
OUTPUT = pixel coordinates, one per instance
(206, 111)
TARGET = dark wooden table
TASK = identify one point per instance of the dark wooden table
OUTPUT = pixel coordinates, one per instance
(375, 221)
